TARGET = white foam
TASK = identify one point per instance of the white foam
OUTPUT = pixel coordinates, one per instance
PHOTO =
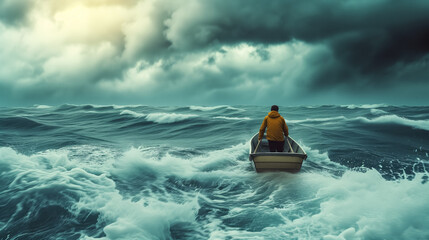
(321, 159)
(126, 106)
(364, 106)
(307, 205)
(42, 106)
(375, 111)
(358, 205)
(224, 159)
(420, 124)
(202, 108)
(364, 205)
(330, 119)
(145, 219)
(146, 163)
(54, 171)
(233, 118)
(132, 113)
(168, 117)
(11, 159)
(149, 218)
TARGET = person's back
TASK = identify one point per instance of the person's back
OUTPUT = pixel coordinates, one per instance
(276, 130)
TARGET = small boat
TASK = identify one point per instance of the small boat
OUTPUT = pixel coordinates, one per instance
(263, 160)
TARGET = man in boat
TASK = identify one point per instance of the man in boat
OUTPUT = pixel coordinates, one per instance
(277, 130)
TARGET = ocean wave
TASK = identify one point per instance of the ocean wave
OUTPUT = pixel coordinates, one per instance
(368, 199)
(146, 163)
(42, 106)
(363, 205)
(357, 205)
(20, 123)
(126, 106)
(132, 113)
(191, 185)
(202, 108)
(85, 107)
(96, 107)
(151, 193)
(168, 117)
(364, 106)
(233, 118)
(385, 119)
(66, 179)
(389, 119)
(375, 111)
(82, 197)
(145, 219)
(330, 119)
(319, 160)
(50, 190)
(146, 169)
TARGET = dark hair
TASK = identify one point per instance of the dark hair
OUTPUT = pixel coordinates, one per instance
(275, 108)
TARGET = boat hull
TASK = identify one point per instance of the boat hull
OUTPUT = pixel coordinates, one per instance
(264, 161)
(277, 163)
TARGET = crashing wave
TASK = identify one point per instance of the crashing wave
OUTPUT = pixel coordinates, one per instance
(420, 124)
(168, 117)
(132, 113)
(205, 109)
(365, 106)
(317, 119)
(42, 106)
(376, 111)
(126, 106)
(233, 118)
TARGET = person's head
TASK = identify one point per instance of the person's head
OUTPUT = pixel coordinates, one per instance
(275, 108)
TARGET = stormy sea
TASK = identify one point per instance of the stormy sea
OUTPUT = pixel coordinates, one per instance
(144, 172)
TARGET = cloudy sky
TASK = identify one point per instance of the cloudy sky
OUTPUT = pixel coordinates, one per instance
(201, 52)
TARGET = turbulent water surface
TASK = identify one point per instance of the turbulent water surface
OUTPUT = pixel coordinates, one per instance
(141, 172)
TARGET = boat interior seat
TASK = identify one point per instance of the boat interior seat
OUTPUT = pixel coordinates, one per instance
(263, 147)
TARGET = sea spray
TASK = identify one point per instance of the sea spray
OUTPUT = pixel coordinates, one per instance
(145, 172)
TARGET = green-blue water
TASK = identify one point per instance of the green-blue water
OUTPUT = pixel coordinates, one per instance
(141, 172)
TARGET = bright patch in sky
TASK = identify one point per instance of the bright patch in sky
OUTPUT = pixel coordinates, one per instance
(204, 52)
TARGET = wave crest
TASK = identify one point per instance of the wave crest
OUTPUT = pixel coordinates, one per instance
(317, 119)
(204, 109)
(364, 106)
(375, 111)
(22, 123)
(168, 117)
(42, 106)
(233, 118)
(389, 119)
(132, 113)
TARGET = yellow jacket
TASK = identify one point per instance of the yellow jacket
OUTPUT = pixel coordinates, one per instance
(276, 127)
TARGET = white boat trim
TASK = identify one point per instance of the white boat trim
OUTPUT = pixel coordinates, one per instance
(263, 160)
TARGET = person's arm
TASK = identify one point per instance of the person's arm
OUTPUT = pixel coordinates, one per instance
(285, 128)
(262, 129)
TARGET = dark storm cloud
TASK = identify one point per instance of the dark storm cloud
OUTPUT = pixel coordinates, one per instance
(14, 11)
(367, 38)
(173, 49)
